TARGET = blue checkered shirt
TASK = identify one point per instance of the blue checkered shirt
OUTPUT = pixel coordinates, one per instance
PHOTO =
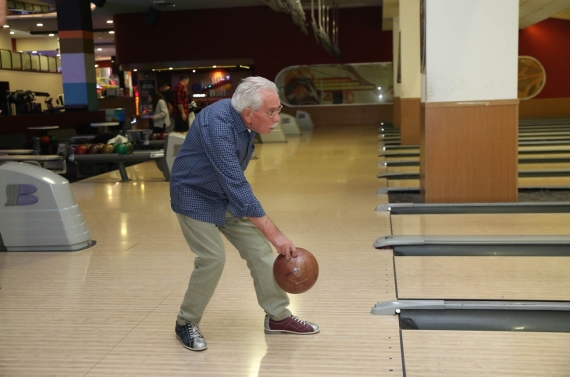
(207, 176)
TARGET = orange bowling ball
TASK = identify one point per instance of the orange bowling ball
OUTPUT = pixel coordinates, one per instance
(297, 275)
(107, 148)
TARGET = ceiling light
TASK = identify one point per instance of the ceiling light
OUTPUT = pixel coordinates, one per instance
(96, 65)
(40, 25)
(99, 49)
(51, 35)
(111, 32)
(169, 67)
(34, 52)
(109, 21)
(214, 66)
(134, 70)
(6, 26)
(11, 32)
(193, 70)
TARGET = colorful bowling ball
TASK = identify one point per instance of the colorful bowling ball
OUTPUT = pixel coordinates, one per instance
(44, 139)
(53, 139)
(121, 148)
(107, 148)
(80, 149)
(93, 149)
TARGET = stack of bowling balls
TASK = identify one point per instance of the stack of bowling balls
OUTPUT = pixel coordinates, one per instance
(158, 136)
(119, 148)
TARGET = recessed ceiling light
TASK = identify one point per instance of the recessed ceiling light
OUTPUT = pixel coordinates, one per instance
(40, 25)
(169, 67)
(109, 21)
(193, 70)
(99, 49)
(6, 26)
(214, 66)
(51, 35)
(11, 32)
(134, 70)
(34, 52)
(111, 32)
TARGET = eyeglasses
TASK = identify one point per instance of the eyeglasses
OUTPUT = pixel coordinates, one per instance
(271, 113)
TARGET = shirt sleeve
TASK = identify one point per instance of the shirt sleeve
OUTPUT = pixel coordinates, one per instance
(221, 149)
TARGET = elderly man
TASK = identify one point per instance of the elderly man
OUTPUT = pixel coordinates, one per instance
(211, 196)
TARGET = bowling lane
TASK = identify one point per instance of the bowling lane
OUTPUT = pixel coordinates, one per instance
(482, 224)
(110, 310)
(483, 278)
(523, 182)
(489, 354)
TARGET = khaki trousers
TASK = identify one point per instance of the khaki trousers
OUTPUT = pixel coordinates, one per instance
(206, 242)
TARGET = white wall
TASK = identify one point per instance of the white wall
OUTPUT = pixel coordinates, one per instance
(36, 82)
(471, 50)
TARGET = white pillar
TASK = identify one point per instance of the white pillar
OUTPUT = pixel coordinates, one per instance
(469, 110)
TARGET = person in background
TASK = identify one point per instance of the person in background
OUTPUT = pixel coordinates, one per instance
(180, 102)
(161, 118)
(166, 92)
(211, 196)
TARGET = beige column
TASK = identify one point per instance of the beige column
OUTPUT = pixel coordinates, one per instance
(410, 90)
(469, 112)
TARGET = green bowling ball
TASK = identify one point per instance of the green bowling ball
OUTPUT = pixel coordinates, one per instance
(121, 148)
(130, 147)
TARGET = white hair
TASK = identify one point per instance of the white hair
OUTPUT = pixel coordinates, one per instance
(248, 93)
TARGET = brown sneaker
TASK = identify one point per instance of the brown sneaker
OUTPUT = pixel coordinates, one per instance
(292, 325)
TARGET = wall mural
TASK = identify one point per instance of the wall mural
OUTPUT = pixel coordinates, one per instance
(336, 84)
(532, 77)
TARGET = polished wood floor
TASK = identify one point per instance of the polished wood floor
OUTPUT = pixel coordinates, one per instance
(110, 310)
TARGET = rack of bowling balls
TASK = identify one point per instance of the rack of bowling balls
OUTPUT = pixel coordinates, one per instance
(101, 148)
(158, 136)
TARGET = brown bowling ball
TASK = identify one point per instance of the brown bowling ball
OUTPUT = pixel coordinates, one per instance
(93, 149)
(297, 275)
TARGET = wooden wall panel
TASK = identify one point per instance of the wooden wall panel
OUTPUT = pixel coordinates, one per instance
(346, 115)
(469, 152)
(410, 121)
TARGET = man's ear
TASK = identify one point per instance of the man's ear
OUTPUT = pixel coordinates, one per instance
(247, 113)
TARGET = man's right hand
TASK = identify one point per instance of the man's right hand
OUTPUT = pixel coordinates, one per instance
(282, 244)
